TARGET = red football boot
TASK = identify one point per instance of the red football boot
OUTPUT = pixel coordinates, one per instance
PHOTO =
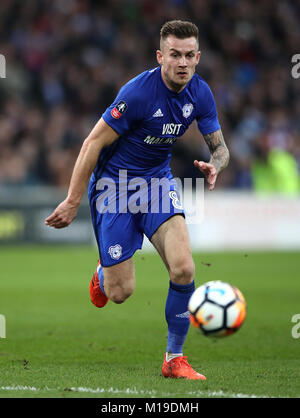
(98, 298)
(179, 367)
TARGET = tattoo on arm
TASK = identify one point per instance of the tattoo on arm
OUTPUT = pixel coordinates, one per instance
(218, 149)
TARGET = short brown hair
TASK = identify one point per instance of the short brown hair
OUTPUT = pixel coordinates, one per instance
(180, 29)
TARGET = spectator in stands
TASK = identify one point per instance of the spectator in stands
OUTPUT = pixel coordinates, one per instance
(67, 60)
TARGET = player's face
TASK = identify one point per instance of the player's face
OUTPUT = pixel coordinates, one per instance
(178, 59)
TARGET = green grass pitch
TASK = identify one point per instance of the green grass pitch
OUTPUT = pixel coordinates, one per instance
(59, 345)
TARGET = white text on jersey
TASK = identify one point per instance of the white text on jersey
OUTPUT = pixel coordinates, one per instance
(153, 140)
(171, 128)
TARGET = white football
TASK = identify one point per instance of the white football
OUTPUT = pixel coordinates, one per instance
(217, 308)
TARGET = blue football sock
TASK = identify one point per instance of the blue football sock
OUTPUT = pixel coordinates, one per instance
(101, 278)
(177, 315)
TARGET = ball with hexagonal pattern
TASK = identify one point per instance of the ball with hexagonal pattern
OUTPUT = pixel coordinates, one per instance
(217, 308)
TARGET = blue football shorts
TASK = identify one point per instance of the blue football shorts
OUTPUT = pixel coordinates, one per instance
(120, 219)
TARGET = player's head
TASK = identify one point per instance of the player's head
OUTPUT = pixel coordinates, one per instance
(179, 53)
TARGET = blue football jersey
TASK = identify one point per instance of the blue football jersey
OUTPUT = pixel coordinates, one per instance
(149, 118)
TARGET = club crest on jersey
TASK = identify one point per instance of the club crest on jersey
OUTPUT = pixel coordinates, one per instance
(115, 251)
(187, 110)
(119, 109)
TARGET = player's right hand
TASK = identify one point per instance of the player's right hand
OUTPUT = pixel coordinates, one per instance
(63, 215)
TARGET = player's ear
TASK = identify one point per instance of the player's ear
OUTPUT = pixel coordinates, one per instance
(159, 56)
(198, 56)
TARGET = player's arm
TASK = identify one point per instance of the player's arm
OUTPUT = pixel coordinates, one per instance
(101, 136)
(219, 157)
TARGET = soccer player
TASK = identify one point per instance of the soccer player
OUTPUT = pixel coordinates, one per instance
(134, 138)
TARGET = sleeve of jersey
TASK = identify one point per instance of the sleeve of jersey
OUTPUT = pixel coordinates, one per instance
(207, 115)
(122, 114)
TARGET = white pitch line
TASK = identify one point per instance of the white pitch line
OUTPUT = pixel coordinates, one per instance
(131, 391)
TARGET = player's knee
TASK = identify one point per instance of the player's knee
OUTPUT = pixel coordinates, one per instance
(119, 298)
(183, 272)
(119, 295)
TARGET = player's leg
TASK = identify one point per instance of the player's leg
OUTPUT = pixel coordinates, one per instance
(173, 244)
(115, 283)
(119, 281)
(118, 237)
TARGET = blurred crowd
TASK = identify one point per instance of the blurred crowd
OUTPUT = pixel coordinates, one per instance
(66, 60)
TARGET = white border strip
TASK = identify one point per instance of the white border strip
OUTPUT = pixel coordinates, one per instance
(131, 391)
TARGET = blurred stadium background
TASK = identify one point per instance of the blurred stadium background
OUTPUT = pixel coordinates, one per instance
(65, 62)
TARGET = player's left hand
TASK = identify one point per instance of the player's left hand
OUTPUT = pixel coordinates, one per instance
(209, 171)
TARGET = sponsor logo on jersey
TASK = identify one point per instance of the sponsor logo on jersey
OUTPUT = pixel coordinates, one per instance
(187, 110)
(119, 109)
(154, 140)
(171, 128)
(158, 114)
(115, 251)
